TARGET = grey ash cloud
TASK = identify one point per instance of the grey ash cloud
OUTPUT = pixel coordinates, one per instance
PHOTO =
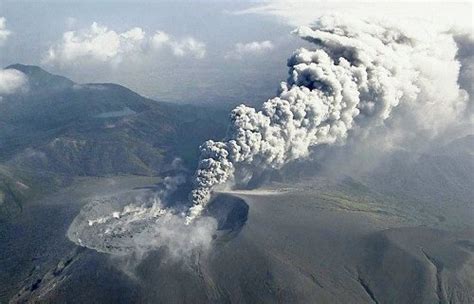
(359, 76)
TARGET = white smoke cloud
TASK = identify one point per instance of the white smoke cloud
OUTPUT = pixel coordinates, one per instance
(138, 225)
(251, 48)
(12, 81)
(133, 224)
(465, 44)
(102, 45)
(360, 76)
(4, 32)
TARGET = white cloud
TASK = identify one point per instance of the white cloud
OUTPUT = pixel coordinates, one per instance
(4, 32)
(160, 39)
(102, 45)
(305, 12)
(189, 46)
(97, 43)
(251, 48)
(11, 81)
(183, 47)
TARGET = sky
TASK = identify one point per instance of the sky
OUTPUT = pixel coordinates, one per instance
(217, 52)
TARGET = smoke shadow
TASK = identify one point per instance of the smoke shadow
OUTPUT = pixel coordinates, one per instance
(231, 213)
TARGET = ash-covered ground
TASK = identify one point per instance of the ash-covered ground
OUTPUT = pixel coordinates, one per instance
(319, 241)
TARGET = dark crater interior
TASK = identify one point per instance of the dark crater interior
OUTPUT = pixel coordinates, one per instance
(231, 212)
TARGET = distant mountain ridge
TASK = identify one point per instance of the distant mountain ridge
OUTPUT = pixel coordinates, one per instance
(63, 129)
(39, 79)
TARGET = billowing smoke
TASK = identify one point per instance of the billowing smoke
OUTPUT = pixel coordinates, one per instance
(358, 76)
(131, 224)
(465, 44)
(136, 225)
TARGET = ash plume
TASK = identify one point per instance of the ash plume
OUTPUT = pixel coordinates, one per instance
(359, 76)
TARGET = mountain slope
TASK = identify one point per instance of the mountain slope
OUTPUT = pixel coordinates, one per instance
(66, 129)
(445, 174)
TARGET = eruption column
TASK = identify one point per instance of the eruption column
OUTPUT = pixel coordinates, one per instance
(357, 73)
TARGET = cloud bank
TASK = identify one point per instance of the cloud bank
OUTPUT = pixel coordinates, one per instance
(180, 48)
(98, 44)
(445, 14)
(251, 48)
(359, 77)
